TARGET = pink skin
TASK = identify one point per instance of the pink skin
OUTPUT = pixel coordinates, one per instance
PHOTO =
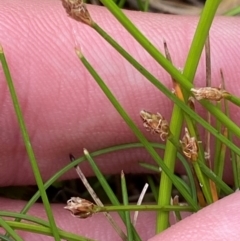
(66, 111)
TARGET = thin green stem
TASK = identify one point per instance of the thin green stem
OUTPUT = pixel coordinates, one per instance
(46, 231)
(193, 58)
(28, 145)
(4, 238)
(9, 230)
(232, 12)
(165, 187)
(171, 96)
(217, 144)
(238, 170)
(153, 187)
(121, 3)
(112, 197)
(209, 173)
(199, 38)
(125, 203)
(221, 162)
(25, 217)
(167, 208)
(203, 183)
(180, 78)
(136, 131)
(71, 165)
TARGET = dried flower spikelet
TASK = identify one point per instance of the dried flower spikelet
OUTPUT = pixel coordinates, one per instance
(209, 93)
(80, 208)
(189, 146)
(155, 123)
(77, 10)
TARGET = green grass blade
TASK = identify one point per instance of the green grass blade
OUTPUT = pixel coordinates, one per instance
(121, 3)
(71, 165)
(136, 131)
(46, 231)
(203, 182)
(125, 203)
(171, 96)
(150, 167)
(199, 38)
(24, 217)
(191, 189)
(234, 11)
(154, 52)
(190, 176)
(167, 208)
(189, 71)
(9, 230)
(112, 197)
(28, 145)
(152, 187)
(5, 238)
(238, 170)
(219, 183)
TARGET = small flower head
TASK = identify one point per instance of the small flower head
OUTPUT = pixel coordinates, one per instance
(155, 123)
(77, 10)
(189, 146)
(209, 93)
(80, 208)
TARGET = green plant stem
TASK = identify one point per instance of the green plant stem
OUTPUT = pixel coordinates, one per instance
(71, 165)
(112, 197)
(9, 230)
(24, 217)
(169, 94)
(136, 131)
(199, 38)
(221, 162)
(154, 52)
(46, 231)
(232, 12)
(193, 58)
(126, 213)
(203, 183)
(233, 156)
(4, 238)
(227, 190)
(218, 144)
(28, 146)
(167, 208)
(153, 187)
(121, 3)
(209, 173)
(238, 170)
(165, 187)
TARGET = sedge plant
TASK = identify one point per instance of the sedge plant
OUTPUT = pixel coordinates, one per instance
(206, 184)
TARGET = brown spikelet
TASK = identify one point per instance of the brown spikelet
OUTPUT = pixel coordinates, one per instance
(80, 208)
(189, 146)
(209, 93)
(155, 123)
(77, 10)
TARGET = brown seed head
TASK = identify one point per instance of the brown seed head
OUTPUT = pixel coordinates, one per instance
(155, 123)
(189, 146)
(209, 93)
(77, 10)
(80, 208)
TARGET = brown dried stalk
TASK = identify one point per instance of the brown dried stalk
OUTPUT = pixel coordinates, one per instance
(75, 208)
